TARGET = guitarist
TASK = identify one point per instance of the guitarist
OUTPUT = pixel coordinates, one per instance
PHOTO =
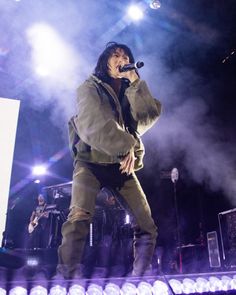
(38, 224)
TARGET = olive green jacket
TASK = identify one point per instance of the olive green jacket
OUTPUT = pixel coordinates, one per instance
(98, 133)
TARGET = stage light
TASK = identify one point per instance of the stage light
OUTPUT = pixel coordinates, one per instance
(233, 283)
(18, 291)
(144, 288)
(58, 290)
(112, 289)
(76, 290)
(226, 283)
(94, 289)
(37, 181)
(155, 4)
(128, 289)
(38, 290)
(188, 286)
(202, 285)
(3, 291)
(39, 170)
(47, 49)
(215, 284)
(176, 286)
(51, 56)
(135, 12)
(127, 219)
(160, 288)
(32, 261)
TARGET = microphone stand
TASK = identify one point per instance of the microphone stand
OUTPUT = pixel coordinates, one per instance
(174, 179)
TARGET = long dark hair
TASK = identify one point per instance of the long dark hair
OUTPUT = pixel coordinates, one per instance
(101, 69)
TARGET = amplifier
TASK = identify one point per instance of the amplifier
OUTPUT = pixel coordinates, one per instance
(227, 228)
(213, 249)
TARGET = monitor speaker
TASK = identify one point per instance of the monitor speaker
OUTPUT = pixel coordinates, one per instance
(213, 249)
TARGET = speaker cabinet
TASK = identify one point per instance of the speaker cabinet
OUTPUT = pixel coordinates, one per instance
(227, 227)
(213, 249)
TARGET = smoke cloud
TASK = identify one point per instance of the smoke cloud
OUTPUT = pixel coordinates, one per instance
(187, 131)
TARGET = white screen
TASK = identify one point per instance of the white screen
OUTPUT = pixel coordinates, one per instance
(9, 111)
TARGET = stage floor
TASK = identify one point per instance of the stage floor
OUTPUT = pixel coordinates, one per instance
(25, 271)
(20, 283)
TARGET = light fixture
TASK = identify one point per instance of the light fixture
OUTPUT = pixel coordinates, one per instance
(32, 261)
(145, 288)
(188, 286)
(58, 290)
(135, 12)
(155, 4)
(128, 289)
(176, 286)
(38, 290)
(160, 288)
(39, 170)
(18, 291)
(94, 289)
(76, 290)
(112, 289)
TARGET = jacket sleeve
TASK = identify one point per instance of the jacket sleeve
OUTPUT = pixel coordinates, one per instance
(97, 126)
(144, 108)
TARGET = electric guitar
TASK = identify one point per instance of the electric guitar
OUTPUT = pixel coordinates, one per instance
(32, 225)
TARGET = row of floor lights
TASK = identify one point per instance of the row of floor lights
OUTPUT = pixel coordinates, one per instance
(158, 288)
(200, 285)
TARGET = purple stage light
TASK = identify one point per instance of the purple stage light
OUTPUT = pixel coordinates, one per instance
(202, 285)
(32, 261)
(144, 288)
(94, 289)
(188, 286)
(76, 290)
(160, 288)
(58, 290)
(135, 12)
(226, 283)
(215, 284)
(112, 289)
(18, 291)
(176, 286)
(39, 170)
(155, 4)
(233, 283)
(38, 290)
(129, 289)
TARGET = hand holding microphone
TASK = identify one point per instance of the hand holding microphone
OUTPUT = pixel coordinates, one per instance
(128, 71)
(130, 67)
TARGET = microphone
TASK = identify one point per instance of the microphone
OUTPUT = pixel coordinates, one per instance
(130, 67)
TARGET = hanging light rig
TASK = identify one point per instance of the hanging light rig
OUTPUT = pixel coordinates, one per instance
(155, 4)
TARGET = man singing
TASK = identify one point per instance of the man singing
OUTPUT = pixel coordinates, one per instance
(114, 108)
